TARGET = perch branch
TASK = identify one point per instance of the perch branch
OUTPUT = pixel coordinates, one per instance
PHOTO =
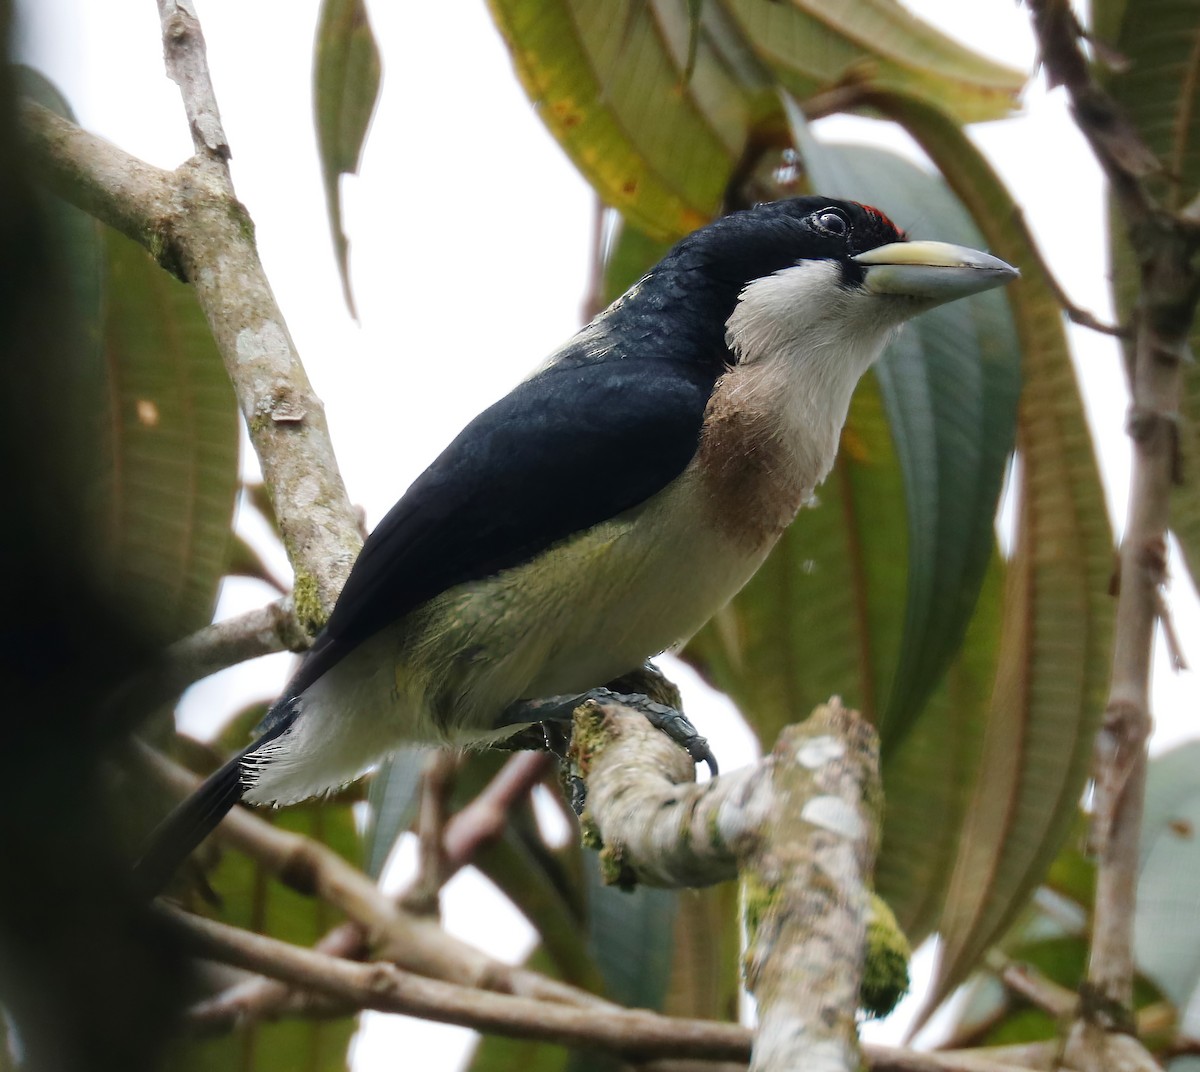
(800, 827)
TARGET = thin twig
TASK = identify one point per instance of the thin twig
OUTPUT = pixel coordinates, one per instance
(1179, 661)
(1030, 984)
(262, 631)
(187, 66)
(385, 988)
(391, 933)
(437, 782)
(1164, 245)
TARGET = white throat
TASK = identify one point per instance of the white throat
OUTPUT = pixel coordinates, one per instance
(802, 342)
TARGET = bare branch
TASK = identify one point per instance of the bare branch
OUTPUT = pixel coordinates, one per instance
(1163, 244)
(128, 194)
(385, 988)
(437, 782)
(392, 934)
(187, 66)
(1034, 987)
(259, 632)
(478, 823)
(259, 999)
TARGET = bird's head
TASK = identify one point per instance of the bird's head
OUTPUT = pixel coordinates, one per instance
(815, 280)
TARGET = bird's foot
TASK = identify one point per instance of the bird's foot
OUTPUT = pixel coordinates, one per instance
(670, 720)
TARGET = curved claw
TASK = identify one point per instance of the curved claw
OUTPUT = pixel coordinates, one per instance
(677, 726)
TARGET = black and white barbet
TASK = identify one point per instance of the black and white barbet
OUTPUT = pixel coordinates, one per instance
(606, 507)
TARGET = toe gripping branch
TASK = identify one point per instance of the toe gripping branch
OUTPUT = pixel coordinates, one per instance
(643, 690)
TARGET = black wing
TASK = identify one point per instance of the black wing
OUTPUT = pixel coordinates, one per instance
(576, 444)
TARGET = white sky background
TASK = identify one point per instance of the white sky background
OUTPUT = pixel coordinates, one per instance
(470, 234)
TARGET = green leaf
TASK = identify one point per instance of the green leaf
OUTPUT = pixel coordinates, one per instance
(1165, 926)
(170, 443)
(950, 384)
(346, 75)
(631, 936)
(1054, 652)
(145, 420)
(706, 974)
(392, 803)
(930, 776)
(660, 110)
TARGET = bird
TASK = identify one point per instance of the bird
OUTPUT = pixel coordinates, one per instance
(605, 508)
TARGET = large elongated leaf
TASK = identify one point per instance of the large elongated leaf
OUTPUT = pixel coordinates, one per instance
(1057, 618)
(950, 383)
(148, 410)
(171, 444)
(1159, 90)
(660, 108)
(929, 467)
(346, 73)
(929, 778)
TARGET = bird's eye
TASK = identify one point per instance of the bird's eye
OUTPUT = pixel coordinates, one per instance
(831, 222)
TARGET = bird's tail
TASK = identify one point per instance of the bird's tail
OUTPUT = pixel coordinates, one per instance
(196, 816)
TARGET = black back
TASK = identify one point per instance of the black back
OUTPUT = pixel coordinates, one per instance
(610, 422)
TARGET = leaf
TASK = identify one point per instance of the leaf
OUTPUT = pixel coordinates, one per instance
(392, 804)
(706, 975)
(660, 110)
(145, 421)
(930, 776)
(1166, 935)
(171, 446)
(1054, 651)
(950, 384)
(346, 75)
(631, 936)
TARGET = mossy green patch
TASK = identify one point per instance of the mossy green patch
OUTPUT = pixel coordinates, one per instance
(306, 598)
(885, 969)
